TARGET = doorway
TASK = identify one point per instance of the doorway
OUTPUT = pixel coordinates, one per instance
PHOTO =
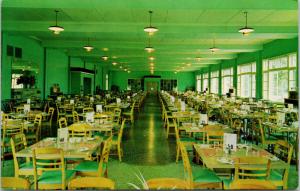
(87, 86)
(152, 87)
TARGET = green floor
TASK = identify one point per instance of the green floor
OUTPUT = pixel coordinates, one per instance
(146, 152)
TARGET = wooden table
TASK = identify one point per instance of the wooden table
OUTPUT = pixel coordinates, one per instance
(191, 128)
(98, 127)
(210, 156)
(83, 149)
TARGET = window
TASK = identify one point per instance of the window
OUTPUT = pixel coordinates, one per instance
(279, 77)
(214, 82)
(14, 79)
(198, 83)
(168, 85)
(205, 81)
(106, 82)
(227, 80)
(246, 85)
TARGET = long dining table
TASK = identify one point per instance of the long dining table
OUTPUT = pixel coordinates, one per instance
(217, 158)
(78, 148)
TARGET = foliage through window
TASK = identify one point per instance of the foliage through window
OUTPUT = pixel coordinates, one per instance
(246, 86)
(168, 85)
(214, 82)
(205, 81)
(227, 80)
(279, 77)
(14, 81)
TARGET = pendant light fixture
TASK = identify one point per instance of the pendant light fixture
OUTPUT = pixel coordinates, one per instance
(246, 30)
(214, 48)
(149, 48)
(104, 58)
(150, 29)
(56, 29)
(88, 47)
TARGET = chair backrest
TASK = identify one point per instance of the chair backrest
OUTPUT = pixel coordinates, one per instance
(15, 183)
(104, 154)
(87, 109)
(215, 136)
(50, 112)
(12, 127)
(188, 174)
(18, 142)
(252, 168)
(20, 109)
(167, 183)
(250, 184)
(37, 123)
(79, 130)
(91, 182)
(117, 115)
(62, 122)
(120, 134)
(284, 150)
(75, 117)
(41, 157)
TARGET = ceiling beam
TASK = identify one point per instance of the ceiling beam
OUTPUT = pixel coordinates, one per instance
(155, 4)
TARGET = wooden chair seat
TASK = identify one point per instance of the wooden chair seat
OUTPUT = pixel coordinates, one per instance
(167, 183)
(91, 182)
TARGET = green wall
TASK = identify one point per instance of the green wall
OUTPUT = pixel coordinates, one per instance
(269, 50)
(184, 79)
(57, 64)
(31, 51)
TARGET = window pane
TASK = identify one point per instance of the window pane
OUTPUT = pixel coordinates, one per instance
(293, 60)
(278, 88)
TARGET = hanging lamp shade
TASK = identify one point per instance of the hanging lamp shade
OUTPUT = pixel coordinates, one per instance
(55, 28)
(88, 47)
(246, 30)
(150, 29)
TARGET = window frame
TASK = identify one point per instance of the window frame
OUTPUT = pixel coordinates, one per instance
(252, 73)
(288, 68)
(230, 75)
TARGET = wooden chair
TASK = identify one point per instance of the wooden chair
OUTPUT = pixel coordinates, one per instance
(265, 141)
(69, 108)
(79, 130)
(250, 184)
(186, 141)
(284, 151)
(48, 123)
(130, 115)
(170, 125)
(18, 142)
(50, 175)
(252, 168)
(60, 112)
(198, 177)
(34, 134)
(62, 122)
(87, 109)
(99, 183)
(14, 183)
(10, 129)
(117, 115)
(20, 109)
(93, 168)
(75, 117)
(213, 136)
(117, 140)
(167, 183)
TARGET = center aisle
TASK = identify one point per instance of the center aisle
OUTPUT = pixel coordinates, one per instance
(145, 142)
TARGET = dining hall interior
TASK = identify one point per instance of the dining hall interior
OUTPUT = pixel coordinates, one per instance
(136, 94)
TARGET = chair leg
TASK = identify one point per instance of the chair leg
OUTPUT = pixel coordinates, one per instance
(119, 153)
(168, 131)
(177, 154)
